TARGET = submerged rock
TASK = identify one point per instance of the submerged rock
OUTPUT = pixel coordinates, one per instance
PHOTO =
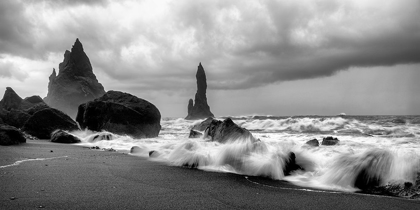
(328, 141)
(120, 113)
(60, 136)
(10, 135)
(75, 82)
(200, 109)
(227, 131)
(313, 142)
(195, 134)
(45, 121)
(102, 136)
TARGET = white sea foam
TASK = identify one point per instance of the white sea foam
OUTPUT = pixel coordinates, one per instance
(395, 145)
(28, 160)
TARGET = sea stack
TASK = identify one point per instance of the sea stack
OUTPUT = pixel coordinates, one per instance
(75, 82)
(200, 109)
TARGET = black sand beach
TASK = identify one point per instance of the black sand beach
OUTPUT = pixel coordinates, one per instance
(80, 178)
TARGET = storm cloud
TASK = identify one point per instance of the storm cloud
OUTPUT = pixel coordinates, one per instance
(242, 44)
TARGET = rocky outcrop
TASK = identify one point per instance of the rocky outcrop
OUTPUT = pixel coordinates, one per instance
(60, 136)
(15, 111)
(313, 142)
(227, 130)
(44, 122)
(203, 125)
(10, 135)
(11, 100)
(75, 83)
(120, 113)
(329, 140)
(200, 109)
(195, 134)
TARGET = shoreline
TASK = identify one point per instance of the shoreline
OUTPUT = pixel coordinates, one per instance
(76, 177)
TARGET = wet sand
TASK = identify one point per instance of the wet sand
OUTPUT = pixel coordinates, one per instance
(73, 177)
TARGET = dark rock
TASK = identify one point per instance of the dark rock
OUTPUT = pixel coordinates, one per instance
(45, 121)
(200, 109)
(329, 141)
(313, 142)
(227, 131)
(75, 83)
(136, 150)
(153, 153)
(17, 118)
(36, 108)
(10, 100)
(373, 167)
(60, 136)
(195, 134)
(291, 164)
(203, 125)
(34, 99)
(120, 113)
(10, 135)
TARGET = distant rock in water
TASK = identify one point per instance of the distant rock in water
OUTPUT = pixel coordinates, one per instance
(203, 125)
(75, 83)
(120, 113)
(329, 140)
(313, 142)
(227, 130)
(200, 109)
(10, 135)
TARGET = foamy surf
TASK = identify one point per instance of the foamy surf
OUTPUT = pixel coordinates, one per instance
(383, 149)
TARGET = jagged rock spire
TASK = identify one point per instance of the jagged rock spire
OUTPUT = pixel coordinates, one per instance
(199, 109)
(75, 82)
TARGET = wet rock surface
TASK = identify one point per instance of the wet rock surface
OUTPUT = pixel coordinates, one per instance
(120, 113)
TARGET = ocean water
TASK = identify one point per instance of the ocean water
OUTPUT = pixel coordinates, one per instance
(384, 146)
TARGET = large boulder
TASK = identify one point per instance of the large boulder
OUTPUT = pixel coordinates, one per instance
(120, 113)
(10, 135)
(75, 83)
(227, 131)
(200, 109)
(60, 136)
(44, 122)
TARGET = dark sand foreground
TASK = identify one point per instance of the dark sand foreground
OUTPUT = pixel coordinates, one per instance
(80, 178)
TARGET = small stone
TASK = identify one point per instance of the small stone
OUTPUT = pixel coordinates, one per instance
(12, 198)
(51, 151)
(41, 206)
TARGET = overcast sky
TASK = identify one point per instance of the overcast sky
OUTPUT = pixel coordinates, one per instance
(284, 57)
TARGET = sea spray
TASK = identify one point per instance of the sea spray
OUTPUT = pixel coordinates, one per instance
(375, 149)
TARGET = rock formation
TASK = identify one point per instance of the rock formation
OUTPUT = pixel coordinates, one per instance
(44, 122)
(10, 135)
(75, 83)
(60, 136)
(329, 140)
(200, 109)
(228, 131)
(313, 142)
(120, 113)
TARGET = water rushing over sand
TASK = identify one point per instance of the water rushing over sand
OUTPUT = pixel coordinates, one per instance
(381, 146)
